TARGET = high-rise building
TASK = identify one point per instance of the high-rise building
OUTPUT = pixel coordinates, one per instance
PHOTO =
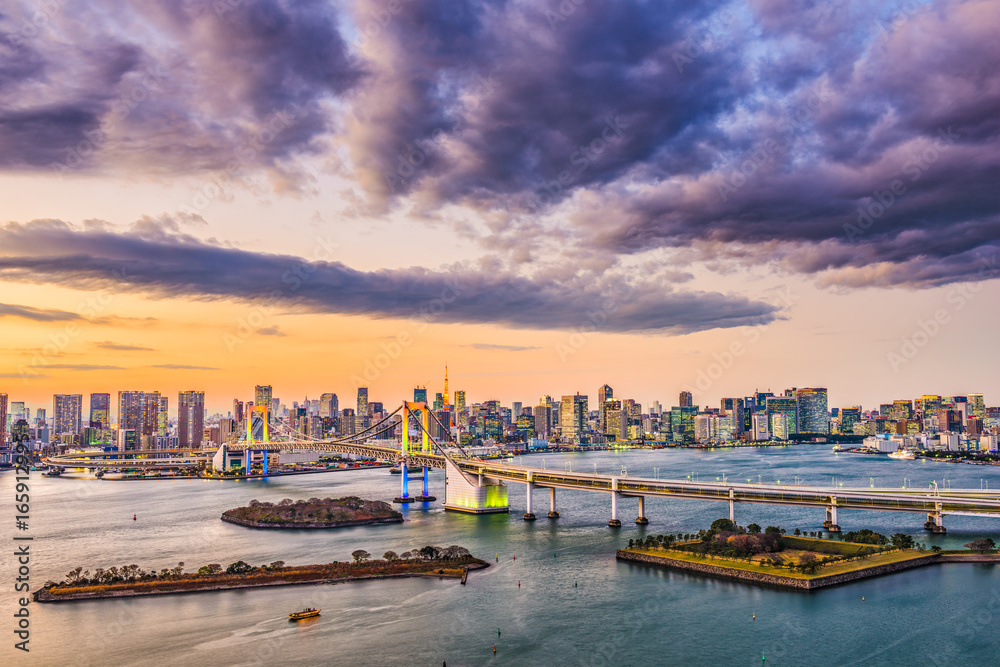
(100, 411)
(813, 411)
(190, 418)
(20, 431)
(362, 406)
(3, 418)
(515, 410)
(162, 416)
(734, 408)
(928, 405)
(977, 406)
(263, 396)
(848, 418)
(68, 409)
(682, 423)
(614, 420)
(329, 406)
(785, 424)
(362, 409)
(139, 411)
(685, 400)
(542, 421)
(420, 395)
(573, 417)
(347, 422)
(604, 394)
(459, 400)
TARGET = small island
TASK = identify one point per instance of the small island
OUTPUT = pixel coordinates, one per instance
(131, 580)
(772, 558)
(313, 513)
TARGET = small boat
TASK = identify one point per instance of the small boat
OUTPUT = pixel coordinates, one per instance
(902, 455)
(838, 448)
(305, 613)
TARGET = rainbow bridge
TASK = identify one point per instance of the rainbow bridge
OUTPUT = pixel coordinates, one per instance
(479, 486)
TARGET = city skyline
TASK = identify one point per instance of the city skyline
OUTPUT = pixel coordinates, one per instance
(364, 197)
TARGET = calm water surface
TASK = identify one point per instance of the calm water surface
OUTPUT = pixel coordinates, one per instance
(576, 605)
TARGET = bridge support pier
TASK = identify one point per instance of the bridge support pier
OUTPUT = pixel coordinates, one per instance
(553, 514)
(642, 520)
(831, 519)
(404, 493)
(935, 523)
(426, 497)
(529, 514)
(615, 522)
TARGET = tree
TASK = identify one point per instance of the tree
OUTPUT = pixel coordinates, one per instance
(773, 530)
(239, 567)
(982, 545)
(429, 552)
(277, 565)
(808, 563)
(723, 525)
(211, 568)
(631, 543)
(390, 556)
(902, 541)
(360, 555)
(753, 529)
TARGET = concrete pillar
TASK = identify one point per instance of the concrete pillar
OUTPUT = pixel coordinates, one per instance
(404, 491)
(553, 514)
(614, 522)
(935, 521)
(529, 515)
(831, 523)
(732, 506)
(642, 520)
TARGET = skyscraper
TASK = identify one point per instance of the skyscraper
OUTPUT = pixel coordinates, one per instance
(782, 414)
(734, 408)
(190, 418)
(573, 417)
(420, 395)
(329, 406)
(459, 400)
(68, 409)
(139, 411)
(542, 421)
(977, 406)
(262, 397)
(162, 416)
(100, 411)
(813, 411)
(686, 400)
(604, 394)
(3, 418)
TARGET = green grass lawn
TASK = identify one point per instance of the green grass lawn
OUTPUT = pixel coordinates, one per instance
(826, 570)
(828, 547)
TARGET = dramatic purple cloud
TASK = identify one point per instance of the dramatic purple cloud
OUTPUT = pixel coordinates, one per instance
(159, 261)
(858, 142)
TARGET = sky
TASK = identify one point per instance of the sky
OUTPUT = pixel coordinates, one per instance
(545, 196)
